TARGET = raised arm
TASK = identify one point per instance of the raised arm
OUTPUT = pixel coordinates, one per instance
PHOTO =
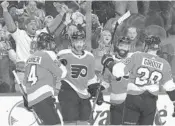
(62, 25)
(11, 26)
(58, 20)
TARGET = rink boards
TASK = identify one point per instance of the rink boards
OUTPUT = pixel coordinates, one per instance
(13, 113)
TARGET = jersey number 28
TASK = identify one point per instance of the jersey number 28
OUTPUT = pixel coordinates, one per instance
(147, 77)
(32, 75)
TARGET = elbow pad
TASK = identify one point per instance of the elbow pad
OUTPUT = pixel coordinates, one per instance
(171, 95)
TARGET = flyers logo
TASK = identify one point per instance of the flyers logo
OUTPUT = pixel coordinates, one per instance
(78, 70)
(126, 61)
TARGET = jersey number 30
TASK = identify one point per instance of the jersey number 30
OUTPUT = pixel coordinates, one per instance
(147, 77)
(32, 75)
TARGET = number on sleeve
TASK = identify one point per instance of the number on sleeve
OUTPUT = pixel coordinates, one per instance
(147, 77)
(32, 75)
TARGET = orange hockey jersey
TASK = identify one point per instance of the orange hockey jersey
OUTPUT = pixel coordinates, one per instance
(147, 73)
(118, 86)
(40, 75)
(81, 71)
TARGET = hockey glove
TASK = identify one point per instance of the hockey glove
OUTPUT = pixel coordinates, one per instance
(20, 66)
(93, 88)
(26, 104)
(107, 61)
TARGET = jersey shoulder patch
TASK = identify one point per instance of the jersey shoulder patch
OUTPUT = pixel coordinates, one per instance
(126, 61)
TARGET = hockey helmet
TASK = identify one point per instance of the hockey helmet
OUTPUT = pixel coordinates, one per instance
(152, 42)
(45, 41)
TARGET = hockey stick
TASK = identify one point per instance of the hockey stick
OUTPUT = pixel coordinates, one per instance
(91, 121)
(120, 20)
(25, 95)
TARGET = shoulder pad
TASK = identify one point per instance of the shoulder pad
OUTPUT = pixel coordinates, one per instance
(89, 53)
(63, 52)
(133, 53)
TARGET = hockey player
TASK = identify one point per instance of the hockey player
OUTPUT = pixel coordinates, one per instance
(147, 73)
(41, 71)
(118, 86)
(74, 97)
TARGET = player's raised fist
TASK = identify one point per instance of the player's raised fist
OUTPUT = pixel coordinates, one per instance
(5, 4)
(106, 59)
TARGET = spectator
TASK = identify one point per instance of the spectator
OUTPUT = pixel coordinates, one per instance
(96, 30)
(121, 7)
(83, 7)
(31, 11)
(78, 18)
(54, 7)
(104, 9)
(25, 39)
(104, 47)
(61, 38)
(6, 53)
(48, 20)
(134, 35)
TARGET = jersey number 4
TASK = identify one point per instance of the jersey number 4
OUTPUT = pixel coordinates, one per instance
(32, 78)
(147, 77)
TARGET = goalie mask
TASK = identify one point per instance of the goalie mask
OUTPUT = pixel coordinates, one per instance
(152, 43)
(122, 47)
(78, 40)
(45, 42)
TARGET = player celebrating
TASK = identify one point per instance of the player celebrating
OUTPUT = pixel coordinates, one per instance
(74, 96)
(41, 71)
(147, 73)
(118, 85)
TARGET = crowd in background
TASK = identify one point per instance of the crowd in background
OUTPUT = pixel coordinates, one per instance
(22, 21)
